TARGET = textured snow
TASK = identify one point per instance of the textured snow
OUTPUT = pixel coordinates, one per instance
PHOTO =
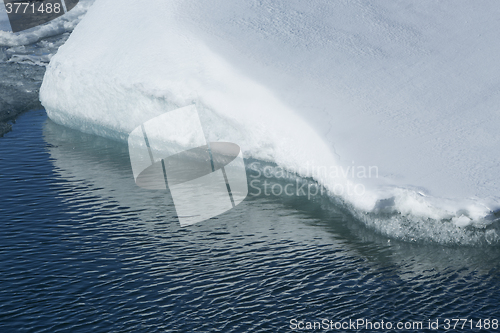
(411, 87)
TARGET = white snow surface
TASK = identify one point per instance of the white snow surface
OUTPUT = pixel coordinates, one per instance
(409, 87)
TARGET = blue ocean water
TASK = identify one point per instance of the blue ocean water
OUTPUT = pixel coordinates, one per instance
(83, 249)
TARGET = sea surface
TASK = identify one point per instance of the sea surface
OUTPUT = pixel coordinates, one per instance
(83, 249)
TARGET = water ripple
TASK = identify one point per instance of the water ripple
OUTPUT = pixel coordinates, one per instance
(83, 250)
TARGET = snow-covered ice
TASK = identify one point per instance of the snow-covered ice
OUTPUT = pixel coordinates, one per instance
(409, 87)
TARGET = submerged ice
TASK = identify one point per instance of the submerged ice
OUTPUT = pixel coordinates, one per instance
(409, 88)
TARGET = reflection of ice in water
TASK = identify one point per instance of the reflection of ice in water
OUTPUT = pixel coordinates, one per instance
(97, 171)
(206, 181)
(171, 149)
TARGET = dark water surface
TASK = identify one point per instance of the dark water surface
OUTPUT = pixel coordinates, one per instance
(83, 249)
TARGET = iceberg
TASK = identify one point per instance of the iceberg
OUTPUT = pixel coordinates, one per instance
(410, 90)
